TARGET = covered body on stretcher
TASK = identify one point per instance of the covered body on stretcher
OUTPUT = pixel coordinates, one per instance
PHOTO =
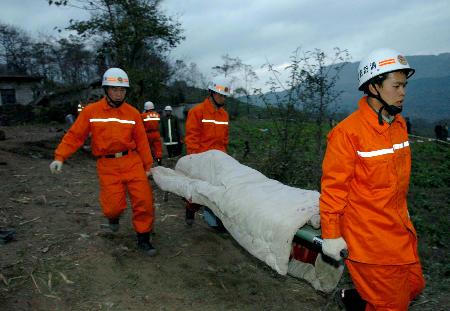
(262, 214)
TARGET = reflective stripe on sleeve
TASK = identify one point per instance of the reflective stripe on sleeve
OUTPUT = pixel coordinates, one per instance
(112, 120)
(151, 119)
(214, 121)
(375, 153)
(402, 145)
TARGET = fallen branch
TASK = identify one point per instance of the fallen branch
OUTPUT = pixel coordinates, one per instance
(223, 286)
(49, 283)
(12, 264)
(25, 222)
(81, 213)
(35, 284)
(194, 255)
(16, 277)
(177, 254)
(52, 296)
(167, 216)
(420, 303)
(4, 279)
(65, 278)
(24, 200)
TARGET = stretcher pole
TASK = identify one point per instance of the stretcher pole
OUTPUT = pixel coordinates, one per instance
(313, 236)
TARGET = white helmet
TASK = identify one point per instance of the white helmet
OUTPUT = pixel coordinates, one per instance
(115, 77)
(382, 61)
(221, 86)
(149, 106)
(168, 108)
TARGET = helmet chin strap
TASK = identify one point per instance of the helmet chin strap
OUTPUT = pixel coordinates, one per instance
(214, 101)
(114, 103)
(390, 109)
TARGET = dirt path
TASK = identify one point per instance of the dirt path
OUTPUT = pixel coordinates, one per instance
(63, 260)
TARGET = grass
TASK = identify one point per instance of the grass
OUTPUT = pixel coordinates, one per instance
(429, 206)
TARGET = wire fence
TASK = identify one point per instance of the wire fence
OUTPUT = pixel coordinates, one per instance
(421, 139)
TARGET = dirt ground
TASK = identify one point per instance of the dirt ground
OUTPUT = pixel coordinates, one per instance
(64, 259)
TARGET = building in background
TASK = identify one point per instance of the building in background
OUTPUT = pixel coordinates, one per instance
(20, 89)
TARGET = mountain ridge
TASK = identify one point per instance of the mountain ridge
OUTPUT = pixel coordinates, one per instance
(428, 92)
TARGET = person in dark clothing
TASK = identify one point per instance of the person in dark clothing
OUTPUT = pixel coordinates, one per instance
(444, 132)
(246, 148)
(408, 125)
(438, 131)
(170, 132)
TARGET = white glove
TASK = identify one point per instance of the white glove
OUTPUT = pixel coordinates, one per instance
(56, 166)
(333, 247)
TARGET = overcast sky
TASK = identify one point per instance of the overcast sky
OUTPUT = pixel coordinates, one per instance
(258, 31)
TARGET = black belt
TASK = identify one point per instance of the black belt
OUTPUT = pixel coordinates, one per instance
(115, 155)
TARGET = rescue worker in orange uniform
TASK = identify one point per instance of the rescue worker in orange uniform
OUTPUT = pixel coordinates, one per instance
(207, 129)
(120, 145)
(151, 123)
(366, 172)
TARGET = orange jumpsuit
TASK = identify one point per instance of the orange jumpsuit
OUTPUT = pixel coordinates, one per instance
(366, 172)
(206, 128)
(151, 124)
(116, 130)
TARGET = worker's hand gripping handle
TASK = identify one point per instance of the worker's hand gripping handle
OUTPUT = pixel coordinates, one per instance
(335, 248)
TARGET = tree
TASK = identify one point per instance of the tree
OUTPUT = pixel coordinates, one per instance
(248, 76)
(190, 74)
(229, 66)
(317, 93)
(44, 59)
(75, 63)
(241, 77)
(134, 35)
(297, 107)
(15, 49)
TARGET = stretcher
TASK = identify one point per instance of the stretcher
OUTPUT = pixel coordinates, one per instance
(261, 214)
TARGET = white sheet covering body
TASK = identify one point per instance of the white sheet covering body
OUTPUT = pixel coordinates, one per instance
(261, 214)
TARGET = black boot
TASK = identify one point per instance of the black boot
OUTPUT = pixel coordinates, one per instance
(143, 240)
(351, 300)
(113, 224)
(190, 216)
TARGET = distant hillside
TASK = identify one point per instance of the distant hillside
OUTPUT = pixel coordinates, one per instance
(428, 94)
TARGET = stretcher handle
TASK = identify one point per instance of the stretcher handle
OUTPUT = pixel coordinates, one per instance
(311, 235)
(344, 253)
